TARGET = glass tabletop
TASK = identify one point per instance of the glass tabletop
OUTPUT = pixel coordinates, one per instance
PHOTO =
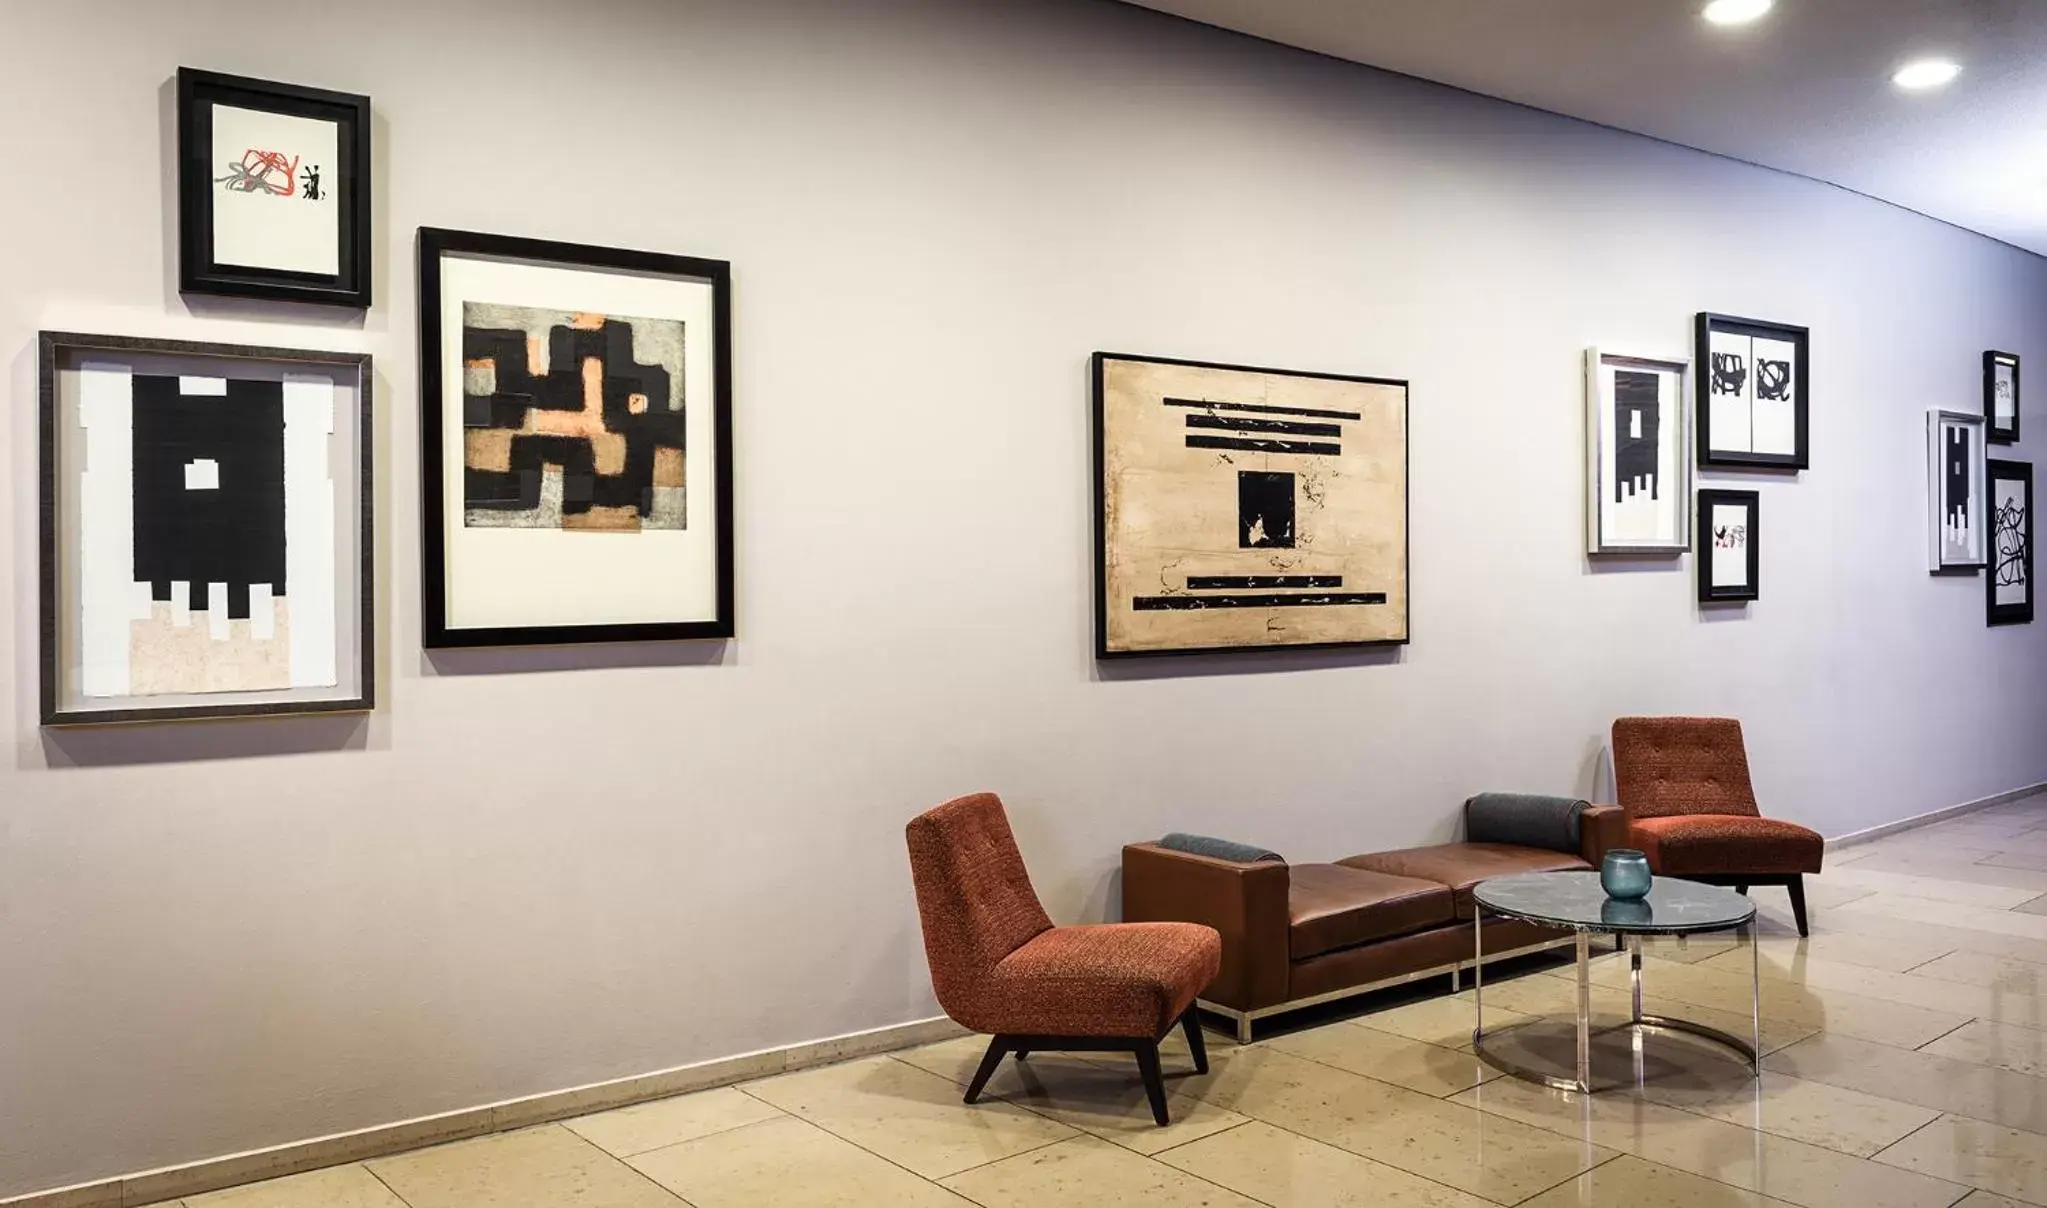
(1575, 900)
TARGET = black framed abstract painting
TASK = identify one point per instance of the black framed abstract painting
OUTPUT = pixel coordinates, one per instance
(1640, 477)
(576, 446)
(1753, 406)
(1958, 534)
(273, 190)
(206, 530)
(2001, 396)
(2011, 542)
(1730, 570)
(1240, 508)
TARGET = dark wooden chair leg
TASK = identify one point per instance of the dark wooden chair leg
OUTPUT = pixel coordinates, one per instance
(997, 1046)
(1154, 1078)
(1196, 1043)
(1022, 1053)
(1797, 887)
(1742, 890)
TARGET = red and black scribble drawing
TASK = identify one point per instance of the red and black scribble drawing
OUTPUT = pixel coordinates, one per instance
(272, 173)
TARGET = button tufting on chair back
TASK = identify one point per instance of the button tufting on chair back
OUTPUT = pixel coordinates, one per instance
(1667, 766)
(973, 894)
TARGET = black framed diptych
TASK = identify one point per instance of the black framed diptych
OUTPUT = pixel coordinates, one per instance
(1240, 508)
(207, 536)
(576, 442)
(1640, 468)
(1752, 393)
(2010, 582)
(1958, 537)
(273, 190)
(1729, 569)
(2001, 397)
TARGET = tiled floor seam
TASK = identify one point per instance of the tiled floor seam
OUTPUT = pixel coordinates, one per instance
(386, 1185)
(1972, 1021)
(1612, 1156)
(1248, 1117)
(612, 1157)
(721, 1129)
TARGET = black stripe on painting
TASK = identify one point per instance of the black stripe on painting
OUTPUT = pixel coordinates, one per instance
(1197, 603)
(1263, 425)
(1311, 412)
(1263, 446)
(1227, 582)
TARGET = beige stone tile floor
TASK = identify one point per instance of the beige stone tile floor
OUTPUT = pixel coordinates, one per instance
(1905, 1067)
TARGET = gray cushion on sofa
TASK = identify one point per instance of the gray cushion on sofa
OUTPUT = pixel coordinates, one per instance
(1524, 820)
(1217, 849)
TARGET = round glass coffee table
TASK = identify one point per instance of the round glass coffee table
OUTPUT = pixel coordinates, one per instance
(1574, 900)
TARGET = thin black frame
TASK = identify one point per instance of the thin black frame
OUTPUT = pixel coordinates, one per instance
(198, 271)
(1597, 408)
(1702, 392)
(436, 243)
(1991, 432)
(1100, 446)
(1936, 418)
(50, 345)
(1710, 498)
(2010, 471)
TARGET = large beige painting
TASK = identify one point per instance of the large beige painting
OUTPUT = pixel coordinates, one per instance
(1248, 508)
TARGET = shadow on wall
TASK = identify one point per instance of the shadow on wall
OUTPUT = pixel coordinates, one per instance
(517, 660)
(1263, 662)
(197, 741)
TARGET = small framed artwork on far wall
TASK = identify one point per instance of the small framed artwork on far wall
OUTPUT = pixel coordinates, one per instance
(1729, 571)
(1753, 409)
(2011, 542)
(2001, 396)
(1640, 473)
(273, 190)
(1958, 536)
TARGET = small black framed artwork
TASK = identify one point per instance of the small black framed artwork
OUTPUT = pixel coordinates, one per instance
(1729, 570)
(1640, 471)
(1958, 515)
(576, 442)
(2011, 542)
(2001, 397)
(1752, 393)
(1239, 508)
(273, 190)
(206, 544)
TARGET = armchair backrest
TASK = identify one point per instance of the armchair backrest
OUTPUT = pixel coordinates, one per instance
(1664, 766)
(974, 895)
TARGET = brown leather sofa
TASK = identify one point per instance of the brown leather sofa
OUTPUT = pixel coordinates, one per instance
(1295, 935)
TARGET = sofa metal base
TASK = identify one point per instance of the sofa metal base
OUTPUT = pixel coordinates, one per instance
(1245, 1020)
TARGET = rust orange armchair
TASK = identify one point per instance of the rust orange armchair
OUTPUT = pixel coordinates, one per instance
(998, 964)
(1684, 783)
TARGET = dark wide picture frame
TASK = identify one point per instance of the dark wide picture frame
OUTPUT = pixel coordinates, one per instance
(62, 464)
(1993, 362)
(1710, 549)
(437, 249)
(1709, 375)
(200, 269)
(2011, 544)
(1226, 431)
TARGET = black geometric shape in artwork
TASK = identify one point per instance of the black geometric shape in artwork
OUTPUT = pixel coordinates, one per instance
(1285, 427)
(1773, 380)
(1730, 373)
(1307, 448)
(1203, 603)
(232, 533)
(1637, 422)
(1265, 510)
(1955, 497)
(1261, 582)
(2010, 539)
(561, 389)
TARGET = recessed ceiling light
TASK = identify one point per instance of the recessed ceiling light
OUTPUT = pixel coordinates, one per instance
(1736, 12)
(1922, 74)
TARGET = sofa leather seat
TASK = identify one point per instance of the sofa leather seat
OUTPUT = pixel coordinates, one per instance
(1463, 865)
(1330, 906)
(1714, 844)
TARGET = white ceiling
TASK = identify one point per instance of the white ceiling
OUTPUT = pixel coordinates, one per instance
(1806, 89)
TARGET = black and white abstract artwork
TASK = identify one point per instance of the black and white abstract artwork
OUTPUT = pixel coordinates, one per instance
(1728, 563)
(2010, 585)
(2001, 396)
(1958, 529)
(1752, 393)
(1639, 474)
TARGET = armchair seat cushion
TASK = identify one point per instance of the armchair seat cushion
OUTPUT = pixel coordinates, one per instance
(1460, 866)
(1107, 979)
(1330, 907)
(1726, 844)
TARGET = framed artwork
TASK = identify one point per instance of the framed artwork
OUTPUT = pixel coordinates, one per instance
(2011, 542)
(576, 442)
(1729, 570)
(273, 190)
(1240, 508)
(1640, 473)
(2001, 396)
(1752, 393)
(1957, 527)
(206, 535)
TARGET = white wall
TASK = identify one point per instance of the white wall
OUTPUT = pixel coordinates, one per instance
(528, 871)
